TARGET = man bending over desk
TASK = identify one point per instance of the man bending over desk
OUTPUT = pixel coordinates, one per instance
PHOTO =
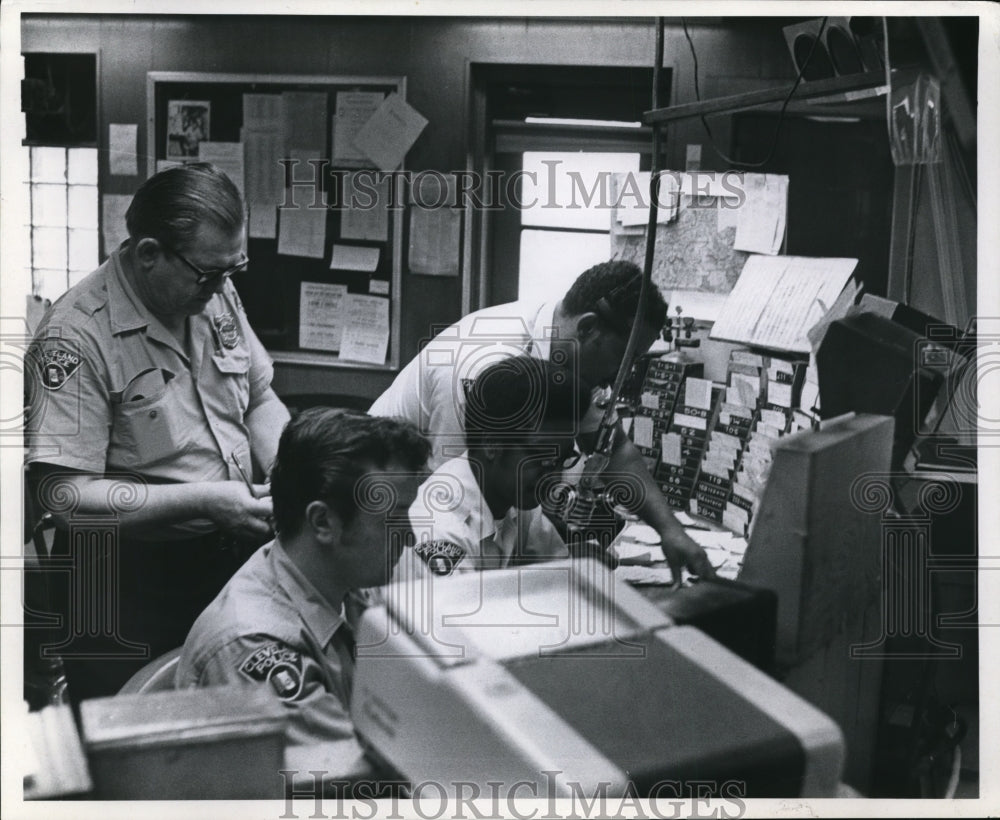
(341, 485)
(482, 510)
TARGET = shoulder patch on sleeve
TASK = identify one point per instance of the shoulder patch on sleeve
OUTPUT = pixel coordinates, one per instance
(441, 557)
(277, 664)
(225, 327)
(57, 365)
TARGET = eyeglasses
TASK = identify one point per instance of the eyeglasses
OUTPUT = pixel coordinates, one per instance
(209, 275)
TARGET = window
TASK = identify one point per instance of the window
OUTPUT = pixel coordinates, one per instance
(562, 132)
(565, 221)
(59, 101)
(62, 194)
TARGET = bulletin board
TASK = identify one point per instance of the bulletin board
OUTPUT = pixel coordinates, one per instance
(324, 279)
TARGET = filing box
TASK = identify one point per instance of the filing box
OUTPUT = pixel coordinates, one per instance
(223, 742)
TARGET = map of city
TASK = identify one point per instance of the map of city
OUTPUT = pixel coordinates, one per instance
(692, 253)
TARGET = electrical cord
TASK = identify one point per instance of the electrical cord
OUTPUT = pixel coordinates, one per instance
(956, 769)
(781, 114)
(888, 77)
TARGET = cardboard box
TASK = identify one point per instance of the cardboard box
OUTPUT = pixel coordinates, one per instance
(223, 742)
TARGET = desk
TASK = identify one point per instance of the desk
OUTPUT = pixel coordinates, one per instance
(740, 616)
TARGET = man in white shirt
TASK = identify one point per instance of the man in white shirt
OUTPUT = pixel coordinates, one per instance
(482, 509)
(584, 335)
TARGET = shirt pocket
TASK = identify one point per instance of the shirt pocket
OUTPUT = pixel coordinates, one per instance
(154, 428)
(233, 370)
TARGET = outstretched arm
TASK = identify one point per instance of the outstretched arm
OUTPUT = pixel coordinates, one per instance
(651, 506)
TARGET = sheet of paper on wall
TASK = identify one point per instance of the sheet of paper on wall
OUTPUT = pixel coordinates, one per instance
(264, 177)
(352, 110)
(304, 121)
(113, 208)
(227, 157)
(390, 132)
(262, 222)
(366, 329)
(352, 257)
(728, 214)
(619, 183)
(122, 160)
(435, 235)
(304, 170)
(760, 224)
(302, 230)
(633, 197)
(365, 211)
(778, 298)
(321, 315)
(262, 111)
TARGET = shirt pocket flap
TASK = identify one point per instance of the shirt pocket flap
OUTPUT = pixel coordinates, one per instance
(236, 360)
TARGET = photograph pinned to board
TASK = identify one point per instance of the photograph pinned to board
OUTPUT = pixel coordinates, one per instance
(188, 125)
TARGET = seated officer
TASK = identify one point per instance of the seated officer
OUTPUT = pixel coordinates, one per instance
(482, 509)
(585, 334)
(340, 485)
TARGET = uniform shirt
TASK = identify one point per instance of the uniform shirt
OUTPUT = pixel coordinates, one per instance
(270, 627)
(430, 390)
(113, 391)
(456, 531)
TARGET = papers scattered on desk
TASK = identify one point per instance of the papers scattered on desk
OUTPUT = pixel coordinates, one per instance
(657, 576)
(724, 550)
(684, 519)
(643, 562)
(653, 576)
(642, 533)
(629, 552)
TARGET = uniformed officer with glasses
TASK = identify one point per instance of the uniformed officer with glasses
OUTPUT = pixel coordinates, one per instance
(150, 406)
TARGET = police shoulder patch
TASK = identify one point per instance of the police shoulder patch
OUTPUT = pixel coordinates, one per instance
(277, 664)
(229, 333)
(57, 365)
(441, 557)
